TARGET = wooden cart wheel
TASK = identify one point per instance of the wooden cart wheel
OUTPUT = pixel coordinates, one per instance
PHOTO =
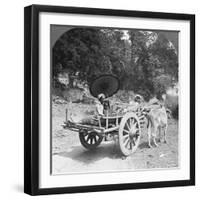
(129, 133)
(90, 140)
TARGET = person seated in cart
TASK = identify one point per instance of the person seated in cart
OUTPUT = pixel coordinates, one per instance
(102, 88)
(103, 105)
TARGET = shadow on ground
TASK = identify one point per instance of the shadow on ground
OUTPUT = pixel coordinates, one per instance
(85, 156)
(106, 150)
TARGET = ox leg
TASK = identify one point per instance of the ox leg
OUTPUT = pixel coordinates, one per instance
(149, 141)
(154, 141)
(149, 136)
(159, 134)
(154, 136)
(165, 134)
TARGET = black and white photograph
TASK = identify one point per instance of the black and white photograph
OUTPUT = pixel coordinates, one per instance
(109, 100)
(114, 99)
(99, 100)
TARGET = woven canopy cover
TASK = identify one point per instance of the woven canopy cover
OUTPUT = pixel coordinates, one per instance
(105, 84)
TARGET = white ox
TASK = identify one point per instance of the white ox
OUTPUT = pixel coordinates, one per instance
(157, 120)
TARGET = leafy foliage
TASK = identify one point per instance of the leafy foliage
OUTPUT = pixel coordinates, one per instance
(144, 61)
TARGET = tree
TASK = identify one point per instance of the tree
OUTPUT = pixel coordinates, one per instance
(139, 58)
(90, 52)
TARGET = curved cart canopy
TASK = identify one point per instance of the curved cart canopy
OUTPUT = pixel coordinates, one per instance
(106, 84)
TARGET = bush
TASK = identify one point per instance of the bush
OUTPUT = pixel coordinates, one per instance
(175, 112)
(146, 94)
(123, 95)
(172, 104)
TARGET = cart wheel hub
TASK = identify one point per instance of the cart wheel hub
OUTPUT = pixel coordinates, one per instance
(132, 131)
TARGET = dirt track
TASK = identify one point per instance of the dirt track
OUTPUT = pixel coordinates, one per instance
(69, 156)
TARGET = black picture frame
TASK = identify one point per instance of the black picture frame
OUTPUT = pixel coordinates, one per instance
(31, 98)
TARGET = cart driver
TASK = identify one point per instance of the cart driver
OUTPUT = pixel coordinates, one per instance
(104, 105)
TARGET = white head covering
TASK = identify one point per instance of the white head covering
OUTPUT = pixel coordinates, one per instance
(101, 96)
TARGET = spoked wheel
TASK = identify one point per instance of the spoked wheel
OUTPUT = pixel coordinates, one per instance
(90, 140)
(129, 134)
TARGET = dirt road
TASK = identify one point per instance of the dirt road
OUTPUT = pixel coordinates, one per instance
(68, 156)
